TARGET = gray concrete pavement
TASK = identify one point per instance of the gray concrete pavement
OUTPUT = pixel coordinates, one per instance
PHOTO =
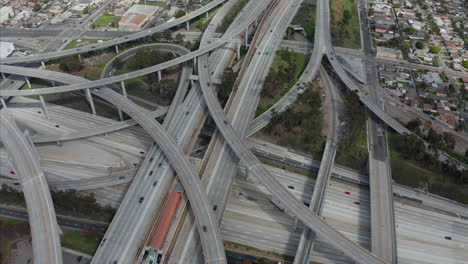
(44, 227)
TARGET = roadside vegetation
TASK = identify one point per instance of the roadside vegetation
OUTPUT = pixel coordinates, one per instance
(227, 84)
(286, 69)
(232, 15)
(300, 126)
(352, 148)
(76, 43)
(415, 166)
(344, 24)
(69, 202)
(85, 241)
(149, 87)
(236, 247)
(305, 17)
(153, 3)
(105, 21)
(11, 230)
(199, 23)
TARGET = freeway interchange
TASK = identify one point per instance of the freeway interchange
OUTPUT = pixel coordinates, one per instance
(174, 138)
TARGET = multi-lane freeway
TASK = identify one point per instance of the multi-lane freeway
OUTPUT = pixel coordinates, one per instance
(173, 138)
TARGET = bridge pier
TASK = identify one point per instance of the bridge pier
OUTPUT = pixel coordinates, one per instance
(124, 91)
(90, 100)
(188, 26)
(247, 36)
(28, 82)
(120, 114)
(192, 82)
(207, 15)
(79, 57)
(44, 107)
(43, 65)
(3, 76)
(2, 101)
(238, 50)
(195, 62)
(159, 76)
(117, 49)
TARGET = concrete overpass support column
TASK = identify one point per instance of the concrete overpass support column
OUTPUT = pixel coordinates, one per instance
(3, 75)
(120, 114)
(188, 26)
(43, 65)
(116, 49)
(238, 50)
(44, 107)
(195, 62)
(207, 14)
(247, 36)
(79, 57)
(28, 82)
(159, 76)
(192, 82)
(90, 100)
(124, 91)
(3, 102)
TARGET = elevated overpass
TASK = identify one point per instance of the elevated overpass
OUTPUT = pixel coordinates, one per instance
(116, 41)
(43, 221)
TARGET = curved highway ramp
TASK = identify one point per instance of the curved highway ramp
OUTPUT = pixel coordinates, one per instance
(43, 222)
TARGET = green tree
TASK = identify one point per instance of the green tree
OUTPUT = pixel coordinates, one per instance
(179, 39)
(227, 83)
(70, 64)
(167, 35)
(346, 16)
(420, 45)
(414, 125)
(435, 49)
(36, 7)
(180, 13)
(465, 64)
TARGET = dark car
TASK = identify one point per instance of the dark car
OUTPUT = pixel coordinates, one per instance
(141, 199)
(448, 238)
(204, 228)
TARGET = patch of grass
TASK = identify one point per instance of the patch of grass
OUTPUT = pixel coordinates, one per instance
(76, 43)
(106, 20)
(286, 69)
(345, 27)
(152, 3)
(76, 240)
(405, 84)
(10, 231)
